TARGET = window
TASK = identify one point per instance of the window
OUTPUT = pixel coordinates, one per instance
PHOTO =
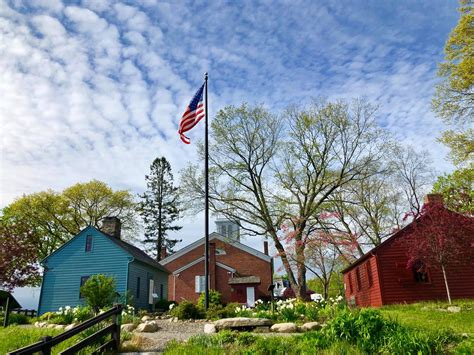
(83, 281)
(369, 273)
(200, 283)
(161, 291)
(138, 287)
(88, 243)
(420, 274)
(358, 281)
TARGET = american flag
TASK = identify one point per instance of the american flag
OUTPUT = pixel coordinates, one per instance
(193, 114)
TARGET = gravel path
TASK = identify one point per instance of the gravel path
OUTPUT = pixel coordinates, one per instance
(156, 342)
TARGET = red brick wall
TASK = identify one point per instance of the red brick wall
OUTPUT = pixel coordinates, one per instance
(183, 287)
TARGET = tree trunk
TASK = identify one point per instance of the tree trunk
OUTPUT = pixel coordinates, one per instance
(300, 291)
(284, 260)
(446, 284)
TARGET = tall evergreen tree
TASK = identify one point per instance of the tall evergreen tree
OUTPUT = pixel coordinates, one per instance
(159, 208)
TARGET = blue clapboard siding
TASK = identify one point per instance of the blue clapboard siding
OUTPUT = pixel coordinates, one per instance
(67, 265)
(145, 273)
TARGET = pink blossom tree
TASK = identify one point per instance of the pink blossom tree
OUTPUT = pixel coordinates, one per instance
(440, 239)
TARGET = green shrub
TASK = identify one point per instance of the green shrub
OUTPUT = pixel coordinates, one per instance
(187, 310)
(215, 298)
(216, 312)
(46, 316)
(99, 292)
(162, 305)
(15, 319)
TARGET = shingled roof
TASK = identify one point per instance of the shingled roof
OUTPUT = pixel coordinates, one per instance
(137, 253)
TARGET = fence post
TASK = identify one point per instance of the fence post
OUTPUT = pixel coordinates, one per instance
(46, 350)
(116, 319)
(7, 312)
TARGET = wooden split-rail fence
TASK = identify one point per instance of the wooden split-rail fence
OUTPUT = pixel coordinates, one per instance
(44, 346)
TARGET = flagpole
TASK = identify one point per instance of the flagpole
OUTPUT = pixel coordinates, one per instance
(206, 184)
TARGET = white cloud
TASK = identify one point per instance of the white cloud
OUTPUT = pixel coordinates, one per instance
(96, 90)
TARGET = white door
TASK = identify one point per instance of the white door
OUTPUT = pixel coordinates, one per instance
(250, 296)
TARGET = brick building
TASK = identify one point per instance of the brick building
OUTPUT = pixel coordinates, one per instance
(240, 273)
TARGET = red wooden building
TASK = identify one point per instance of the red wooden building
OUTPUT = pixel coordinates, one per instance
(381, 276)
(240, 273)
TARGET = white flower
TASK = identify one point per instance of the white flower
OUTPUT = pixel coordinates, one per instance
(68, 308)
(60, 309)
(171, 306)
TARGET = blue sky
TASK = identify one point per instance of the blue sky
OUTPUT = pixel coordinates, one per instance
(95, 88)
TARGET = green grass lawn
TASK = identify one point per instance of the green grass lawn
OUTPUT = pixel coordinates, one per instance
(14, 337)
(434, 316)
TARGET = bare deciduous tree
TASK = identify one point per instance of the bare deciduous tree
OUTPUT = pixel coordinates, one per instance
(267, 169)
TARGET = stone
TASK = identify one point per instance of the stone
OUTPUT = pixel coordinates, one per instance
(37, 324)
(42, 324)
(242, 322)
(70, 326)
(311, 326)
(210, 328)
(148, 327)
(128, 327)
(145, 319)
(454, 309)
(51, 325)
(284, 328)
(59, 327)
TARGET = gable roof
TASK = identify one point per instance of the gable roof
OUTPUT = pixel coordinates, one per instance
(197, 261)
(220, 237)
(391, 239)
(136, 253)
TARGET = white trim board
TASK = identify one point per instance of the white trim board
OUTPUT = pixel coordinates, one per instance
(217, 236)
(197, 261)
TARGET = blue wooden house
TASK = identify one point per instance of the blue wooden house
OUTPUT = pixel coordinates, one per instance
(94, 252)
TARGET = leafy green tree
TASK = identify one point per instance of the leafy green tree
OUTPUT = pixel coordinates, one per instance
(457, 190)
(55, 217)
(99, 292)
(454, 98)
(159, 208)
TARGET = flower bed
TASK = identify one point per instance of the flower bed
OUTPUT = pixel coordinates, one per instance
(293, 310)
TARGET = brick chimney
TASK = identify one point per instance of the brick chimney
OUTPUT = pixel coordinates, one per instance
(111, 226)
(265, 247)
(212, 265)
(433, 199)
(163, 254)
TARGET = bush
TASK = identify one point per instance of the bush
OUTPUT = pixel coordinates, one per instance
(215, 299)
(15, 319)
(231, 307)
(46, 316)
(162, 305)
(187, 310)
(216, 312)
(99, 291)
